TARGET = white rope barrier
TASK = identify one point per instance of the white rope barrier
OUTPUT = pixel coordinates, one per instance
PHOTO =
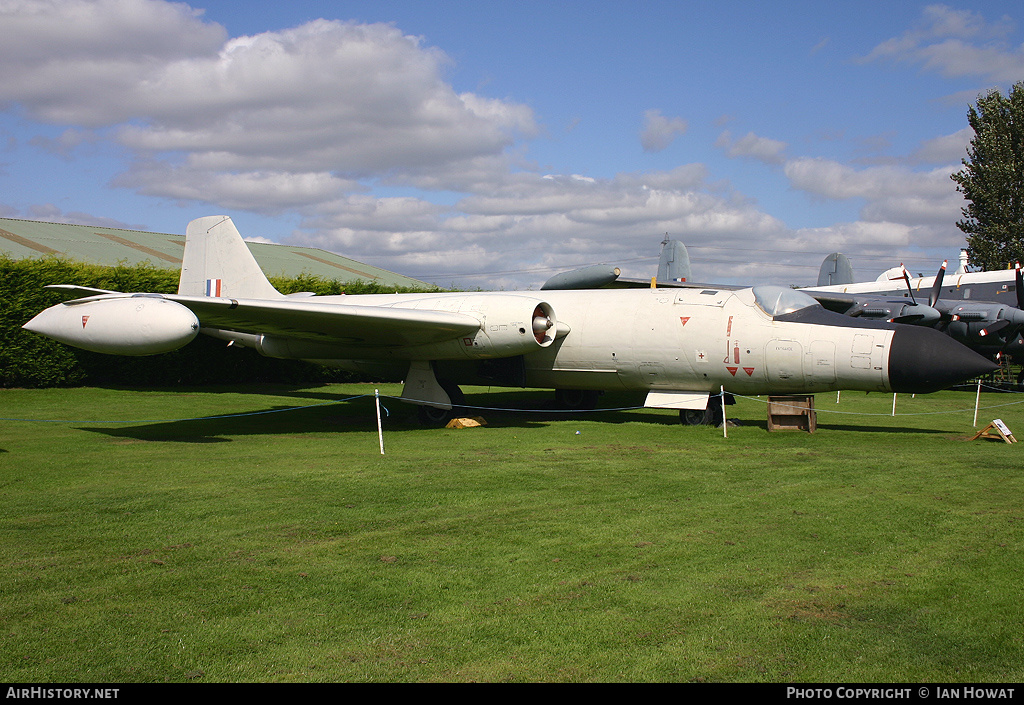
(467, 407)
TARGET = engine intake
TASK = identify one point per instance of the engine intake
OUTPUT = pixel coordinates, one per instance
(509, 325)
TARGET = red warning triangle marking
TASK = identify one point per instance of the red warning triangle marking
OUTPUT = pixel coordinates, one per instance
(749, 371)
(684, 319)
(732, 370)
(85, 319)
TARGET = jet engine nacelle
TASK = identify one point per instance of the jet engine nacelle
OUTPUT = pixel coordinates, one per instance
(509, 325)
(136, 325)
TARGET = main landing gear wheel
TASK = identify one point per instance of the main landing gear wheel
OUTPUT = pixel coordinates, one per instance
(435, 416)
(711, 416)
(576, 399)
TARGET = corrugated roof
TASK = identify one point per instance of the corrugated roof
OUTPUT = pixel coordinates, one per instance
(22, 239)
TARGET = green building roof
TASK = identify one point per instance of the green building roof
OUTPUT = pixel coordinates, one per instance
(22, 239)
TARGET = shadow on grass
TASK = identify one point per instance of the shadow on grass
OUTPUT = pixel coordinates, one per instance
(357, 415)
(328, 411)
(882, 429)
(279, 420)
(313, 393)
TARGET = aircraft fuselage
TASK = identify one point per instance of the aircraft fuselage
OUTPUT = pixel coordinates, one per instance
(680, 340)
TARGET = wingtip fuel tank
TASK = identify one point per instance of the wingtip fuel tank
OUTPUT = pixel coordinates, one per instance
(134, 325)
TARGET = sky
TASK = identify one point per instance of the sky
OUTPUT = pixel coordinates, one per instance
(492, 144)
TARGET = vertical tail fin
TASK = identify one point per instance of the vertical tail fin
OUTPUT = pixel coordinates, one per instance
(217, 262)
(674, 263)
(836, 269)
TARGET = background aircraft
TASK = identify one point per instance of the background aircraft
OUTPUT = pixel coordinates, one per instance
(673, 270)
(676, 346)
(980, 309)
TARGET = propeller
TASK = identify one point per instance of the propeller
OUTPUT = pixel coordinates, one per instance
(933, 298)
(915, 313)
(999, 325)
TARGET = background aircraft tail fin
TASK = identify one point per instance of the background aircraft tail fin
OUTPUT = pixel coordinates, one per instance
(836, 269)
(218, 263)
(674, 263)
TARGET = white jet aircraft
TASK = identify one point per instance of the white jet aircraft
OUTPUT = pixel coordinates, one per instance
(678, 346)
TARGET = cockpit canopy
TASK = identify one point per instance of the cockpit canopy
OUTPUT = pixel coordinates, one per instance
(779, 300)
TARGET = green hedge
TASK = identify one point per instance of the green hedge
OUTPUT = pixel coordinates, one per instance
(31, 360)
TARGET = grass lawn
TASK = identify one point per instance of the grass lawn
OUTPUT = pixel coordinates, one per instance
(606, 546)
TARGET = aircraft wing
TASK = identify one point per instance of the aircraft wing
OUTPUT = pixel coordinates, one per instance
(297, 319)
(330, 322)
(885, 308)
(80, 289)
(627, 283)
(600, 276)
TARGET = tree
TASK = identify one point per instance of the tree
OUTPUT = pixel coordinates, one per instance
(992, 180)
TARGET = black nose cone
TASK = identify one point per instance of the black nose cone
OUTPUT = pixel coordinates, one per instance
(923, 360)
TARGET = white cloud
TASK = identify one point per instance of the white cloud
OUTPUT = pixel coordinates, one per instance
(258, 191)
(354, 99)
(956, 43)
(541, 224)
(82, 62)
(857, 238)
(659, 131)
(898, 202)
(945, 149)
(751, 146)
(325, 96)
(43, 31)
(329, 120)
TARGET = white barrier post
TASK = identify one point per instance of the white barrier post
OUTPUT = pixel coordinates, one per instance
(380, 432)
(977, 398)
(725, 421)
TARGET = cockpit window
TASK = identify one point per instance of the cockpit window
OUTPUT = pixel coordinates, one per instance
(778, 300)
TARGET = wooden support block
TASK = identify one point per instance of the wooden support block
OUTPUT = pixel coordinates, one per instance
(792, 412)
(466, 422)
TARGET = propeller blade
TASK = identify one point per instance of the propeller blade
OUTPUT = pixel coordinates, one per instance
(937, 286)
(994, 327)
(906, 278)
